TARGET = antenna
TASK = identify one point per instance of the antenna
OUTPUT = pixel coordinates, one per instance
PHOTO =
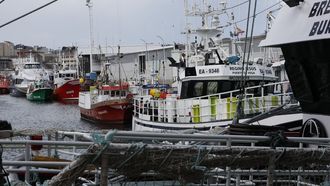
(89, 4)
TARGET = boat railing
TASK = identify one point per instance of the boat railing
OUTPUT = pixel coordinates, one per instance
(214, 107)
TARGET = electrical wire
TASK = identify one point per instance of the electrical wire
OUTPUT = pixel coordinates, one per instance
(24, 15)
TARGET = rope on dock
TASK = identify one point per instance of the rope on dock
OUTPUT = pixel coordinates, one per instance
(75, 169)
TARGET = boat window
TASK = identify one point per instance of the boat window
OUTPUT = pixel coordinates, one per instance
(112, 93)
(117, 93)
(123, 93)
(198, 89)
(212, 87)
(226, 86)
(184, 90)
(106, 92)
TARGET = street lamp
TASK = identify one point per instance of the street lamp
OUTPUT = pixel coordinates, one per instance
(146, 59)
(164, 73)
(89, 4)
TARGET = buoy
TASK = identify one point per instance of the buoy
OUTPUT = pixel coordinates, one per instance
(81, 80)
(162, 95)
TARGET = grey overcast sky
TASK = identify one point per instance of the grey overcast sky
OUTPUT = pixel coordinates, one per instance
(66, 22)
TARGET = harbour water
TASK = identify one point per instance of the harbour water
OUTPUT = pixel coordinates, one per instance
(24, 114)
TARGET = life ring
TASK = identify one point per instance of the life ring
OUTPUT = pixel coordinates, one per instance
(129, 96)
(313, 128)
(123, 107)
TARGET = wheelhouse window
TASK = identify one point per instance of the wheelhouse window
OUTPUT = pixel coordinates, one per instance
(198, 89)
(212, 87)
(191, 89)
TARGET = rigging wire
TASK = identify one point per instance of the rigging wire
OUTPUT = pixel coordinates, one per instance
(24, 15)
(239, 109)
(245, 45)
(242, 20)
(250, 43)
(2, 1)
(236, 5)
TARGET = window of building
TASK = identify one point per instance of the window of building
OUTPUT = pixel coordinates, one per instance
(142, 64)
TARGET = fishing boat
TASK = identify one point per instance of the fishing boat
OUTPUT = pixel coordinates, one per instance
(39, 90)
(306, 51)
(4, 85)
(215, 87)
(66, 85)
(26, 74)
(109, 102)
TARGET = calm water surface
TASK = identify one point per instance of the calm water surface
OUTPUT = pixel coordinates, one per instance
(24, 114)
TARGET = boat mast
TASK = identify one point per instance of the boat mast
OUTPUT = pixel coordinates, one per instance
(89, 4)
(77, 61)
(119, 73)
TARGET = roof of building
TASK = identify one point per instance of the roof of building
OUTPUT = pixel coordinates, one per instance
(129, 49)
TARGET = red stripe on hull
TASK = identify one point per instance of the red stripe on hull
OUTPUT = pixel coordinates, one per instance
(117, 114)
(68, 91)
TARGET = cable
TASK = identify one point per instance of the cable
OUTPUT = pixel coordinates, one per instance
(24, 15)
(2, 1)
(250, 43)
(236, 5)
(262, 11)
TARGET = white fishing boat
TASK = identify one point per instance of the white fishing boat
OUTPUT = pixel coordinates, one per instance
(25, 75)
(306, 52)
(212, 85)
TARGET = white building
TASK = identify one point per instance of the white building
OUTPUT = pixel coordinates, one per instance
(140, 63)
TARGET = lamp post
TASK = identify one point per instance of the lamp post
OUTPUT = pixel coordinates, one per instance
(146, 59)
(164, 73)
(89, 4)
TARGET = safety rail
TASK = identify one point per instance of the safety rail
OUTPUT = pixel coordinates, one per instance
(214, 107)
(206, 141)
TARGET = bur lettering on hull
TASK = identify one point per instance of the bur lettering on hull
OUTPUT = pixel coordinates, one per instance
(323, 26)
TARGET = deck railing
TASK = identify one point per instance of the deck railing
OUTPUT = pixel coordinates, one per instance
(214, 107)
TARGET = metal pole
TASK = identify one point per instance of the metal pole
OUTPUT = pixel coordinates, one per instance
(27, 158)
(119, 73)
(89, 4)
(164, 73)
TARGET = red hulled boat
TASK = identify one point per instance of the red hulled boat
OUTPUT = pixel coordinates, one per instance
(67, 86)
(107, 104)
(4, 85)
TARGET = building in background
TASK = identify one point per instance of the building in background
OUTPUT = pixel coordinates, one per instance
(68, 57)
(7, 49)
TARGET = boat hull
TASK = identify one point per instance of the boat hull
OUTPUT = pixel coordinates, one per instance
(4, 90)
(287, 121)
(68, 91)
(40, 95)
(108, 114)
(16, 92)
(4, 86)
